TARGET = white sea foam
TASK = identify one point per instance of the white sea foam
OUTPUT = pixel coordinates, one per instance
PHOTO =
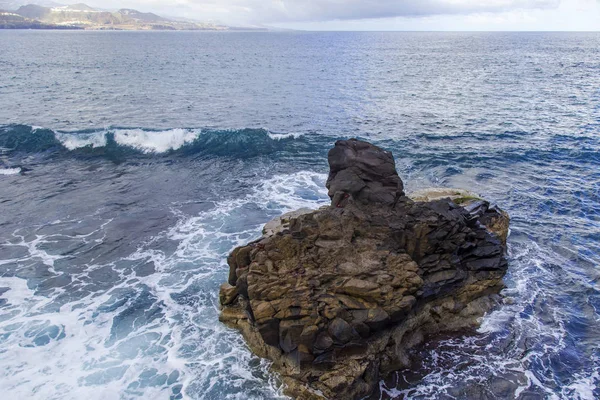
(155, 141)
(74, 141)
(144, 140)
(583, 387)
(139, 139)
(280, 136)
(497, 320)
(221, 358)
(212, 361)
(73, 357)
(10, 171)
(18, 293)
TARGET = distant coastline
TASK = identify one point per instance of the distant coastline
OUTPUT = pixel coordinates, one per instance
(84, 17)
(31, 24)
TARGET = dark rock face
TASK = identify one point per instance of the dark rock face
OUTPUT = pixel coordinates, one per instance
(338, 296)
(363, 171)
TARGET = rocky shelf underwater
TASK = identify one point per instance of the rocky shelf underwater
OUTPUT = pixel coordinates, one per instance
(341, 297)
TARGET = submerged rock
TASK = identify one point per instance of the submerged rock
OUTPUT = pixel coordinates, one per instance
(337, 297)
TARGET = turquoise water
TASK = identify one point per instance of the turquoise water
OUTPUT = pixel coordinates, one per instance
(133, 162)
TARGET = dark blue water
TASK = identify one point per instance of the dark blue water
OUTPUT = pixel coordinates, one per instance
(131, 163)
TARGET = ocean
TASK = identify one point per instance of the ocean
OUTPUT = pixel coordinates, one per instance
(132, 163)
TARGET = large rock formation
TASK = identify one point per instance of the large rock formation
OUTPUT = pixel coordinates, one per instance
(337, 297)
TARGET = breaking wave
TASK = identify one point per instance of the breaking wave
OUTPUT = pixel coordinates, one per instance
(10, 171)
(123, 142)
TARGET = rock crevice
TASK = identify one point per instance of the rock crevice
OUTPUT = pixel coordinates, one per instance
(337, 297)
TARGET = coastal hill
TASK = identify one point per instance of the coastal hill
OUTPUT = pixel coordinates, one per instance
(81, 16)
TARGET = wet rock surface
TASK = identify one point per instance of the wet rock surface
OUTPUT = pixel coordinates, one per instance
(338, 297)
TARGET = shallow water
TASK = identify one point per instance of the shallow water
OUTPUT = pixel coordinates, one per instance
(133, 162)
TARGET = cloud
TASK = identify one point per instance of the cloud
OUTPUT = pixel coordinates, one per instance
(570, 15)
(285, 11)
(326, 10)
(323, 10)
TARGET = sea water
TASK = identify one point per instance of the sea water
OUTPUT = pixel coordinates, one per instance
(131, 163)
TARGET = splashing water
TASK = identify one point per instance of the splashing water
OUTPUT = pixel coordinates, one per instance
(108, 334)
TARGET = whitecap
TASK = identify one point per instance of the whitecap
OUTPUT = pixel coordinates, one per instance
(280, 136)
(155, 141)
(74, 141)
(146, 141)
(10, 171)
(139, 139)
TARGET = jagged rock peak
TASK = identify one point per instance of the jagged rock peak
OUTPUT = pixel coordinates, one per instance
(362, 172)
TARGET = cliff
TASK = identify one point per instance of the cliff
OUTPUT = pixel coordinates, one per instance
(337, 297)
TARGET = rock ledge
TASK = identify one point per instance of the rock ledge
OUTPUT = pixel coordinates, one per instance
(337, 297)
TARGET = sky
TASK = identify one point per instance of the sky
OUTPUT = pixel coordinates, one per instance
(444, 15)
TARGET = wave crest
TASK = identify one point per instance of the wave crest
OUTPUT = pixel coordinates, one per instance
(119, 142)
